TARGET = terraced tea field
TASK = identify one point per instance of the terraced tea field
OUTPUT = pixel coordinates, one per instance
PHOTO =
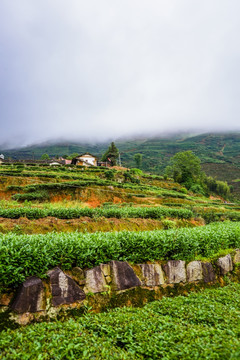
(131, 200)
(81, 218)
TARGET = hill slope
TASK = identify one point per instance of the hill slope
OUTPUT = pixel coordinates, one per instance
(217, 152)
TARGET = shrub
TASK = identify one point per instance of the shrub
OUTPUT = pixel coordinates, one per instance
(168, 224)
(109, 174)
(183, 190)
(197, 188)
(40, 195)
(129, 177)
(136, 171)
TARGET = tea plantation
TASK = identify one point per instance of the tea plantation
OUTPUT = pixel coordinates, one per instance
(73, 216)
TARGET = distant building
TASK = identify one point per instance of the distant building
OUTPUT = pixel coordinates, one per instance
(2, 156)
(86, 159)
(65, 161)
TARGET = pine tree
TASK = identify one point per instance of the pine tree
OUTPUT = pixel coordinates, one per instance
(111, 154)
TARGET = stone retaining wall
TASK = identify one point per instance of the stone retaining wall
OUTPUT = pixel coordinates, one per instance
(109, 285)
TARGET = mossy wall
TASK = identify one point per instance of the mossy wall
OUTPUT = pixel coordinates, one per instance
(111, 285)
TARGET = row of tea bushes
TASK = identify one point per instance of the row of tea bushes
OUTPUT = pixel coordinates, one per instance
(211, 215)
(50, 175)
(59, 185)
(98, 182)
(215, 214)
(108, 212)
(26, 255)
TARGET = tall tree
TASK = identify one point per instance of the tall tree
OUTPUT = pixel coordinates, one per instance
(45, 157)
(185, 167)
(111, 154)
(138, 160)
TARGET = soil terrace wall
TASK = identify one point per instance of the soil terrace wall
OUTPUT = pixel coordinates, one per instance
(115, 284)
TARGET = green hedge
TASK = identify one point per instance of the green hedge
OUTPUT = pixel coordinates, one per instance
(215, 215)
(41, 195)
(49, 175)
(60, 185)
(25, 255)
(108, 212)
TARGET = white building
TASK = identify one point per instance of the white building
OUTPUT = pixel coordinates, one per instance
(86, 159)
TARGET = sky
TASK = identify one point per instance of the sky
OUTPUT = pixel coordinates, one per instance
(97, 70)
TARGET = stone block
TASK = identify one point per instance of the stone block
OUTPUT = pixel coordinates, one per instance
(236, 258)
(78, 273)
(106, 269)
(225, 264)
(208, 272)
(175, 271)
(194, 271)
(152, 274)
(123, 276)
(108, 279)
(95, 280)
(64, 289)
(30, 296)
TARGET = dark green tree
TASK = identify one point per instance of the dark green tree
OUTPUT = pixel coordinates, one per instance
(111, 154)
(185, 167)
(45, 157)
(72, 156)
(138, 160)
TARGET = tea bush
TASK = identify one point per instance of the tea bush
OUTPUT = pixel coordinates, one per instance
(35, 195)
(74, 213)
(25, 255)
(199, 326)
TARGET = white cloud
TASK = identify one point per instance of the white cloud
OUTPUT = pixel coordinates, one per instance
(109, 68)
